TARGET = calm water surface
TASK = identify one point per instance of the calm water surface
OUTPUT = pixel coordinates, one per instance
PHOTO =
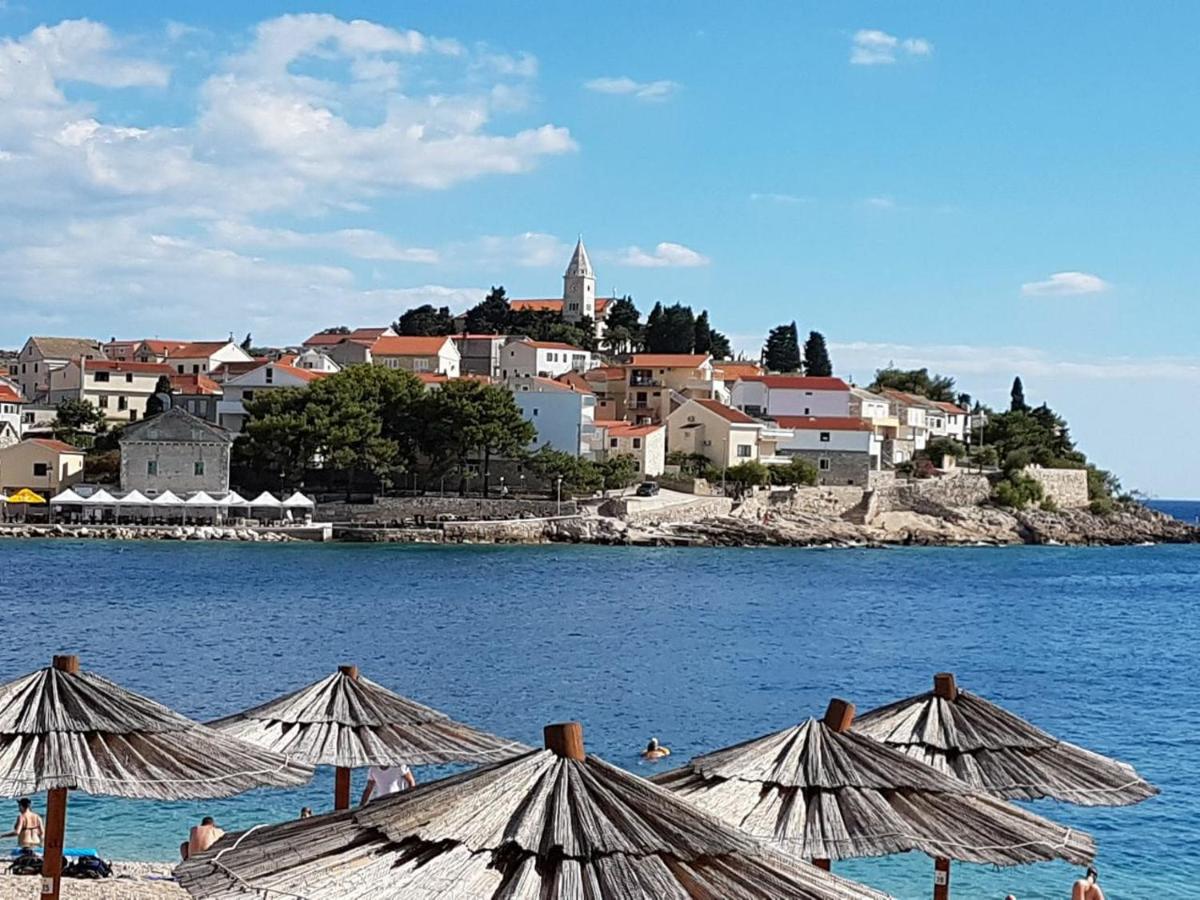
(699, 647)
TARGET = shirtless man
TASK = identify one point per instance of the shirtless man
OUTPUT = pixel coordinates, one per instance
(28, 827)
(654, 750)
(1086, 888)
(383, 781)
(201, 837)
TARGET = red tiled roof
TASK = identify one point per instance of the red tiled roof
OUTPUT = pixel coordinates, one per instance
(238, 367)
(823, 423)
(730, 371)
(605, 373)
(118, 365)
(555, 345)
(552, 305)
(667, 360)
(950, 407)
(9, 394)
(439, 378)
(728, 413)
(328, 340)
(195, 384)
(617, 428)
(296, 372)
(408, 346)
(196, 349)
(480, 337)
(56, 446)
(161, 348)
(799, 382)
(576, 381)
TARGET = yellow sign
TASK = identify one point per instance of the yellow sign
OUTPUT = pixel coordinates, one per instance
(25, 495)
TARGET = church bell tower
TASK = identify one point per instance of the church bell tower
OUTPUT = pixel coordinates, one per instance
(579, 287)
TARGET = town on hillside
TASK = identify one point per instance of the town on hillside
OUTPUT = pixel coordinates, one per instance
(579, 393)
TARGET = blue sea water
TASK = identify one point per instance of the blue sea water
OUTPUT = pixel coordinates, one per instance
(702, 648)
(1187, 510)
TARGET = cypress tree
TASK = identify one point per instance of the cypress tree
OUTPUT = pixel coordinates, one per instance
(1018, 397)
(816, 356)
(782, 353)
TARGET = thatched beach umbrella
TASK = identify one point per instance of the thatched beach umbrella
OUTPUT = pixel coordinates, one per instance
(825, 793)
(995, 751)
(64, 729)
(347, 721)
(552, 824)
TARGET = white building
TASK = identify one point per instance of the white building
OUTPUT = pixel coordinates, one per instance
(312, 360)
(239, 390)
(564, 417)
(42, 355)
(645, 443)
(957, 420)
(522, 357)
(723, 435)
(118, 389)
(202, 357)
(791, 395)
(417, 354)
(11, 405)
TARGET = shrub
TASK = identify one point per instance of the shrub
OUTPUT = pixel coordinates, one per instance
(938, 448)
(1017, 491)
(1048, 505)
(748, 473)
(797, 471)
(1103, 506)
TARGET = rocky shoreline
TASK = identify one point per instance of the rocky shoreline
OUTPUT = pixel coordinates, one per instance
(142, 533)
(959, 527)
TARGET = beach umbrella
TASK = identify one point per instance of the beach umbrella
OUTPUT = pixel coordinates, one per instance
(25, 495)
(825, 792)
(65, 729)
(297, 501)
(552, 824)
(66, 498)
(348, 721)
(994, 750)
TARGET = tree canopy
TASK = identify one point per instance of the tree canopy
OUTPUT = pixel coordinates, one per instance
(425, 321)
(782, 352)
(670, 329)
(154, 403)
(490, 315)
(915, 381)
(816, 356)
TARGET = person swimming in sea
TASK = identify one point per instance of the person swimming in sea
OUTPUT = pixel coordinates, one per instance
(654, 750)
(1086, 887)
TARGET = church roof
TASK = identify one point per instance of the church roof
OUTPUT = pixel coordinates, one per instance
(580, 264)
(537, 305)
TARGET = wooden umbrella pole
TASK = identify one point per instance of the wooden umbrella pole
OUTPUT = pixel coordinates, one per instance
(565, 739)
(823, 864)
(56, 815)
(941, 879)
(342, 775)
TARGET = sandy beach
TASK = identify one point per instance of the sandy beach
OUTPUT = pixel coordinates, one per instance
(130, 881)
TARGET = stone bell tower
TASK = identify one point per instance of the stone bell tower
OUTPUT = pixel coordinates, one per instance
(579, 287)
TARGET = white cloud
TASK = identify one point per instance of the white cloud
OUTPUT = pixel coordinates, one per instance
(1062, 284)
(879, 202)
(872, 47)
(650, 91)
(359, 243)
(780, 198)
(142, 227)
(665, 255)
(531, 249)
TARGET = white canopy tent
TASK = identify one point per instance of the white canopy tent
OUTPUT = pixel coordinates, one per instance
(134, 498)
(166, 499)
(201, 499)
(100, 498)
(232, 499)
(298, 501)
(267, 499)
(66, 498)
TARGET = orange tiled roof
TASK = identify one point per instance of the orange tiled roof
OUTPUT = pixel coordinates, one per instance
(408, 346)
(195, 384)
(619, 428)
(552, 305)
(728, 413)
(8, 394)
(668, 360)
(799, 382)
(731, 371)
(196, 349)
(56, 446)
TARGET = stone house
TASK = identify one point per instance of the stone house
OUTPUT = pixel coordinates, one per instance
(845, 450)
(645, 443)
(175, 451)
(480, 353)
(42, 355)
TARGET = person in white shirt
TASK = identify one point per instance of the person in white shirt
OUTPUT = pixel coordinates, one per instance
(382, 781)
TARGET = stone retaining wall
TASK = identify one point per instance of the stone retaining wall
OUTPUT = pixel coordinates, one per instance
(932, 496)
(1068, 488)
(693, 511)
(819, 501)
(386, 510)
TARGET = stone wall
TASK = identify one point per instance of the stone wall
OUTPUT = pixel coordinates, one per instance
(633, 511)
(818, 501)
(845, 467)
(386, 510)
(513, 531)
(175, 467)
(931, 495)
(1068, 488)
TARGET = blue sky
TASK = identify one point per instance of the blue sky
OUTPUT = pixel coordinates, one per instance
(984, 192)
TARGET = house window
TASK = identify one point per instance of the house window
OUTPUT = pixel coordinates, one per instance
(180, 368)
(129, 378)
(535, 410)
(421, 365)
(807, 411)
(104, 401)
(99, 376)
(198, 467)
(823, 464)
(41, 470)
(637, 443)
(122, 403)
(152, 467)
(270, 375)
(825, 436)
(247, 396)
(743, 451)
(614, 443)
(133, 415)
(195, 370)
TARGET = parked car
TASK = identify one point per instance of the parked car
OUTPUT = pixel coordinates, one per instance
(647, 489)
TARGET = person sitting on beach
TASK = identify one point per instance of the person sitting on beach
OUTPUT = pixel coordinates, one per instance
(28, 828)
(1086, 887)
(383, 781)
(202, 837)
(654, 750)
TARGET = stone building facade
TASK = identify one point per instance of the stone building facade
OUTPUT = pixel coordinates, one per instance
(1068, 488)
(175, 451)
(838, 467)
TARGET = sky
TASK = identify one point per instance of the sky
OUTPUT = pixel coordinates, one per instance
(982, 189)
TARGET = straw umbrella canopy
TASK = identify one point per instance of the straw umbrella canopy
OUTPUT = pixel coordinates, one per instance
(994, 750)
(64, 729)
(552, 824)
(348, 721)
(825, 793)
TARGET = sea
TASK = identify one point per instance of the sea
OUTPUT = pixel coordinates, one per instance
(701, 648)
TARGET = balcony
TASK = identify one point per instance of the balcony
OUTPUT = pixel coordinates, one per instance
(636, 380)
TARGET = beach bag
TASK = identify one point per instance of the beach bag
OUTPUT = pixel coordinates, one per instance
(88, 867)
(27, 863)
